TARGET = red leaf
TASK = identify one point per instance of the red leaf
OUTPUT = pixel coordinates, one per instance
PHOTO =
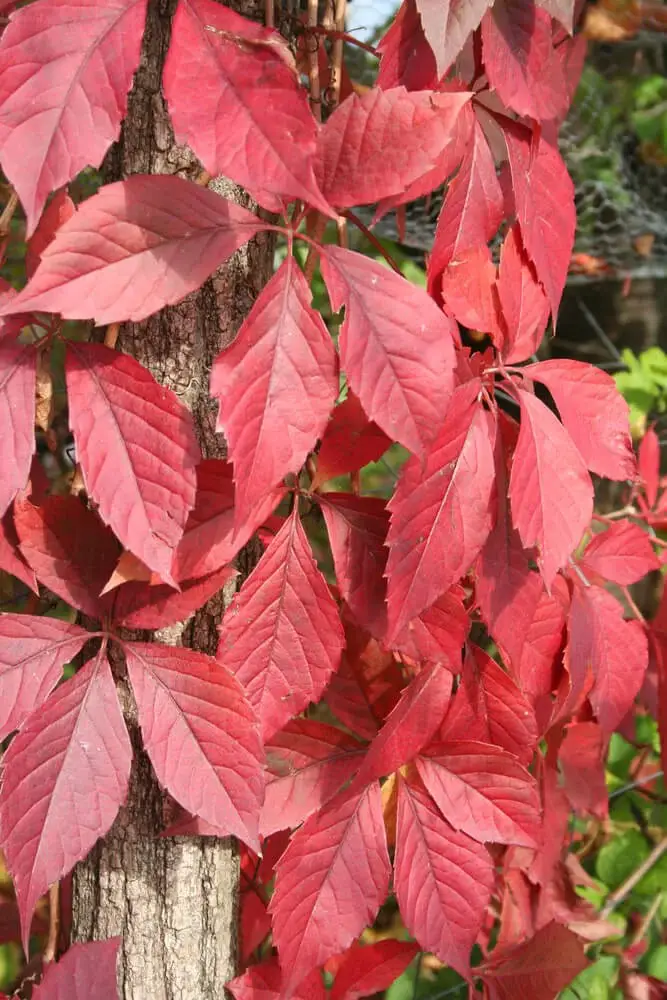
(137, 448)
(506, 590)
(18, 364)
(483, 791)
(447, 26)
(378, 145)
(11, 560)
(64, 777)
(594, 413)
(61, 103)
(71, 551)
(441, 513)
(357, 528)
(469, 294)
(407, 58)
(330, 883)
(57, 212)
(442, 879)
(350, 441)
(364, 688)
(285, 660)
(550, 490)
(562, 10)
(368, 969)
(277, 384)
(266, 982)
(200, 734)
(396, 346)
(524, 303)
(243, 83)
(520, 61)
(472, 210)
(140, 605)
(615, 650)
(582, 760)
(649, 465)
(544, 200)
(254, 923)
(533, 669)
(85, 971)
(438, 634)
(489, 707)
(135, 247)
(540, 967)
(307, 762)
(623, 553)
(410, 726)
(209, 540)
(33, 651)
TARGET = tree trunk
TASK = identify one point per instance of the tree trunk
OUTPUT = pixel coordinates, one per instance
(173, 901)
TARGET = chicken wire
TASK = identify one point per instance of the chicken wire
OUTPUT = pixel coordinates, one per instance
(614, 140)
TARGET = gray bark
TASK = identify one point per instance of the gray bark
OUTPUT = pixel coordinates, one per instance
(173, 901)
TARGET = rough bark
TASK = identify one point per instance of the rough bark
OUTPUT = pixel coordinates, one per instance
(173, 901)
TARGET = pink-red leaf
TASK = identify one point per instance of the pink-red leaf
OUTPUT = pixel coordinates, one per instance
(489, 707)
(18, 365)
(85, 971)
(369, 969)
(582, 760)
(623, 553)
(137, 448)
(200, 734)
(239, 104)
(140, 605)
(520, 61)
(65, 72)
(533, 661)
(483, 791)
(442, 879)
(442, 512)
(277, 384)
(410, 726)
(57, 212)
(562, 10)
(377, 145)
(285, 660)
(396, 346)
(448, 25)
(544, 200)
(523, 301)
(357, 528)
(407, 58)
(266, 981)
(472, 210)
(551, 492)
(437, 634)
(70, 550)
(307, 763)
(209, 538)
(594, 413)
(33, 651)
(330, 883)
(614, 650)
(350, 441)
(64, 777)
(539, 968)
(11, 560)
(135, 247)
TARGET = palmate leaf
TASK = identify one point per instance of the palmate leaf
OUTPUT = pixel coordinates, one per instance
(330, 882)
(368, 969)
(137, 448)
(65, 71)
(285, 660)
(447, 26)
(18, 366)
(134, 247)
(65, 775)
(84, 971)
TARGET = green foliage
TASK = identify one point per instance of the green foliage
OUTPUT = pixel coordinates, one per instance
(644, 385)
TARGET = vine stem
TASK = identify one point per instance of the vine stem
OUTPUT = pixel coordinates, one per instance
(269, 14)
(626, 887)
(334, 34)
(372, 239)
(54, 923)
(313, 63)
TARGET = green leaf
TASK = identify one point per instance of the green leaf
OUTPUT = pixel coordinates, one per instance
(656, 964)
(620, 857)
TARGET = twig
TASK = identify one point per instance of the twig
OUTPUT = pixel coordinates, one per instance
(372, 239)
(269, 14)
(111, 335)
(626, 887)
(345, 37)
(613, 350)
(337, 53)
(648, 919)
(54, 923)
(646, 780)
(7, 213)
(203, 179)
(313, 63)
(632, 605)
